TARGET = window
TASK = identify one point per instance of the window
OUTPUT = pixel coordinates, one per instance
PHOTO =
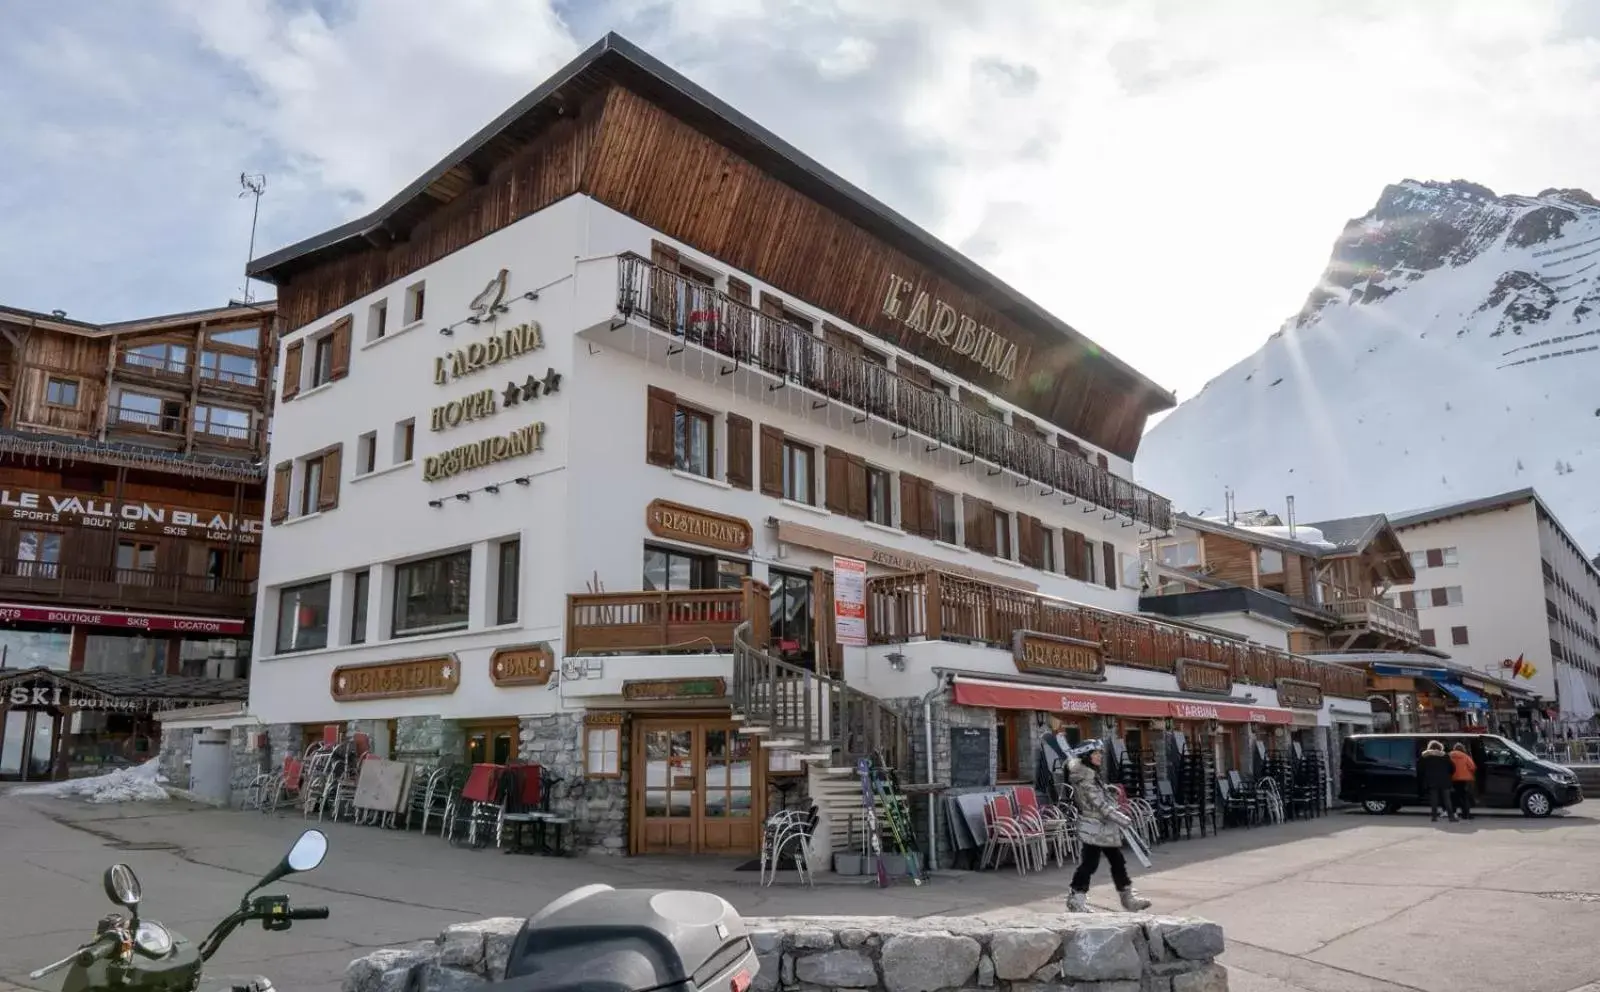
(162, 356)
(508, 594)
(232, 367)
(405, 440)
(1008, 745)
(243, 337)
(367, 453)
(303, 617)
(1428, 638)
(492, 743)
(1435, 557)
(1271, 561)
(1449, 557)
(692, 435)
(668, 569)
(1419, 559)
(880, 497)
(38, 553)
(1002, 534)
(1458, 635)
(154, 413)
(1047, 549)
(222, 422)
(602, 745)
(61, 392)
(1091, 562)
(1408, 599)
(944, 517)
(416, 298)
(322, 360)
(360, 593)
(797, 475)
(790, 617)
(310, 485)
(377, 320)
(1183, 554)
(432, 594)
(136, 556)
(1399, 753)
(1452, 595)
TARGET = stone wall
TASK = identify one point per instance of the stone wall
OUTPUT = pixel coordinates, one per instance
(428, 740)
(1090, 953)
(177, 746)
(598, 807)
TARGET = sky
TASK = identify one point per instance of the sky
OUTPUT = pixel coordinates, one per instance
(1167, 176)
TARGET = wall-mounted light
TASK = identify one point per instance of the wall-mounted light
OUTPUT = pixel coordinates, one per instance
(523, 480)
(447, 331)
(463, 497)
(491, 489)
(897, 661)
(436, 503)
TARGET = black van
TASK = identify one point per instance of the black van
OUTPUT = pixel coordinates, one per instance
(1379, 771)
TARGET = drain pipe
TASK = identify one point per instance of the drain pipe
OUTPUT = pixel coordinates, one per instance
(927, 736)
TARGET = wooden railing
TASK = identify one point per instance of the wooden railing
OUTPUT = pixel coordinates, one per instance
(1378, 615)
(941, 606)
(73, 585)
(686, 621)
(811, 714)
(701, 315)
(164, 366)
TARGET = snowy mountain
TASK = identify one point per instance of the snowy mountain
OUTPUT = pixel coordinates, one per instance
(1451, 350)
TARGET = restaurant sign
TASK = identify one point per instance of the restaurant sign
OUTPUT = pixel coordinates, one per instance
(1036, 652)
(674, 689)
(1299, 695)
(531, 664)
(437, 676)
(14, 612)
(1204, 676)
(41, 506)
(674, 521)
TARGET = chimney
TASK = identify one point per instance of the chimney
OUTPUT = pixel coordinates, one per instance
(1291, 516)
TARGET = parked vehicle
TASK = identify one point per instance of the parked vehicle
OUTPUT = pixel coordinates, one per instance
(1379, 771)
(631, 940)
(137, 955)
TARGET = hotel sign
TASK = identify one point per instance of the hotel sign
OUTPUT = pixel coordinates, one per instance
(1036, 652)
(1204, 676)
(685, 523)
(677, 690)
(958, 332)
(504, 346)
(1299, 695)
(132, 516)
(531, 664)
(437, 676)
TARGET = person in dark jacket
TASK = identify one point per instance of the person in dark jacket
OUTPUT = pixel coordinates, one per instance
(1435, 769)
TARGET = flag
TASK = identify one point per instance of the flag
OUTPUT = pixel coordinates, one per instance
(1522, 668)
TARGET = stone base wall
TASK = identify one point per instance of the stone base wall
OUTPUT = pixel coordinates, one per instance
(1090, 953)
(428, 740)
(177, 747)
(598, 806)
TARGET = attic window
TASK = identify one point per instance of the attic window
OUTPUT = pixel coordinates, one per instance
(1271, 561)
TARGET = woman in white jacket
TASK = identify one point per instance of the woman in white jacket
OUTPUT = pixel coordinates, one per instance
(1100, 827)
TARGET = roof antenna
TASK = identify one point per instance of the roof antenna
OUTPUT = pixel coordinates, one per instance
(254, 185)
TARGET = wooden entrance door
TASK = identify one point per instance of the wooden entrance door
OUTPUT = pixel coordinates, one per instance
(702, 789)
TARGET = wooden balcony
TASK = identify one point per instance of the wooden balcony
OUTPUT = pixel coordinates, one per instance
(1380, 618)
(82, 587)
(164, 371)
(941, 606)
(171, 429)
(704, 317)
(226, 383)
(690, 621)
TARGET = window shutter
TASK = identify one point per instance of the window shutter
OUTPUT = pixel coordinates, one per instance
(291, 369)
(663, 284)
(664, 255)
(738, 290)
(771, 461)
(328, 495)
(741, 465)
(910, 504)
(1441, 597)
(1101, 459)
(1028, 540)
(281, 475)
(858, 488)
(837, 482)
(341, 348)
(1110, 551)
(980, 524)
(661, 406)
(1435, 557)
(1408, 600)
(1073, 551)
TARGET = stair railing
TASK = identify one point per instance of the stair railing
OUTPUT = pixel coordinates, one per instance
(819, 713)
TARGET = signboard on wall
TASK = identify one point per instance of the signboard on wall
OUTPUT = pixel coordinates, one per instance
(116, 618)
(438, 676)
(1036, 652)
(43, 506)
(662, 690)
(1204, 676)
(531, 664)
(685, 523)
(850, 602)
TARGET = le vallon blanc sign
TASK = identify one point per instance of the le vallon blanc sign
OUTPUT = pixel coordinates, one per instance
(47, 507)
(938, 320)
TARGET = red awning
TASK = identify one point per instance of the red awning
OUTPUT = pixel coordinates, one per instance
(1015, 696)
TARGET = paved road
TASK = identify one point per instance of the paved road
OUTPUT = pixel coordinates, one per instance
(1348, 903)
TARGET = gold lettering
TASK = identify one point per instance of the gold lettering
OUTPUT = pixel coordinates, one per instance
(478, 454)
(918, 317)
(511, 343)
(959, 332)
(944, 322)
(1008, 364)
(892, 299)
(966, 336)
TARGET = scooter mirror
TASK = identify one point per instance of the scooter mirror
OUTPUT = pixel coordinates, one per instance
(308, 851)
(122, 887)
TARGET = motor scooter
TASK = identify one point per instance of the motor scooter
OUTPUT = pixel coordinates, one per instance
(135, 955)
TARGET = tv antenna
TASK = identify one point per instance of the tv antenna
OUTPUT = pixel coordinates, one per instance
(253, 185)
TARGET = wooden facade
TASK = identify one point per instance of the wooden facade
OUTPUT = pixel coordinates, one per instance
(613, 131)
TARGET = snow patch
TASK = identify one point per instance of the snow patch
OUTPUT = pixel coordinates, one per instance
(141, 783)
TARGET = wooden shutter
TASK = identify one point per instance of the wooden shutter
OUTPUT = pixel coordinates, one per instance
(661, 407)
(328, 495)
(829, 653)
(282, 473)
(663, 284)
(771, 461)
(1110, 551)
(1028, 534)
(1073, 551)
(1103, 462)
(1435, 557)
(741, 460)
(341, 349)
(837, 480)
(980, 524)
(738, 290)
(910, 504)
(857, 472)
(1408, 600)
(291, 369)
(1441, 597)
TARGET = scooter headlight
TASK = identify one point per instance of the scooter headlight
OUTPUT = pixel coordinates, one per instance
(153, 939)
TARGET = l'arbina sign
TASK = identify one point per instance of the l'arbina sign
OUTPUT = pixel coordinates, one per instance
(956, 331)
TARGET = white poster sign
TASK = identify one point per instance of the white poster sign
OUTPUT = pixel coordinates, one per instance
(850, 602)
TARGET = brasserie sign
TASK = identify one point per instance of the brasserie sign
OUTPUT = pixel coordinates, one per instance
(134, 516)
(1056, 655)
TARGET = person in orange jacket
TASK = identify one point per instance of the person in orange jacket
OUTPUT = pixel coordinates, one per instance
(1462, 777)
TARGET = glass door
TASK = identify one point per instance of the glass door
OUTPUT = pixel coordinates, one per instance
(495, 744)
(27, 745)
(728, 823)
(669, 808)
(700, 791)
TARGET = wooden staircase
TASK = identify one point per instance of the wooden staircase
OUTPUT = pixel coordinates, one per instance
(823, 721)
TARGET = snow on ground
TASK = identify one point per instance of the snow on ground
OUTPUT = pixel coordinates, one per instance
(141, 783)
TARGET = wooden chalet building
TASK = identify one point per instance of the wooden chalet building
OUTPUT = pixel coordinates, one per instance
(131, 487)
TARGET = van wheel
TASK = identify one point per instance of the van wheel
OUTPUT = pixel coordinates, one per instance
(1377, 806)
(1536, 802)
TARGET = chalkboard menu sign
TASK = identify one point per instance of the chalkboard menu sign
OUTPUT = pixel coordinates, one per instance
(969, 757)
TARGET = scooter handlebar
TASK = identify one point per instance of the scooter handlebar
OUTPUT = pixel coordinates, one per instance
(309, 913)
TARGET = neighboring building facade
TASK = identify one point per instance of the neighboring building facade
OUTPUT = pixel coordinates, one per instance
(130, 524)
(1500, 580)
(572, 430)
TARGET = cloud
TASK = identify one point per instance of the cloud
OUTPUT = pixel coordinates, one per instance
(1166, 176)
